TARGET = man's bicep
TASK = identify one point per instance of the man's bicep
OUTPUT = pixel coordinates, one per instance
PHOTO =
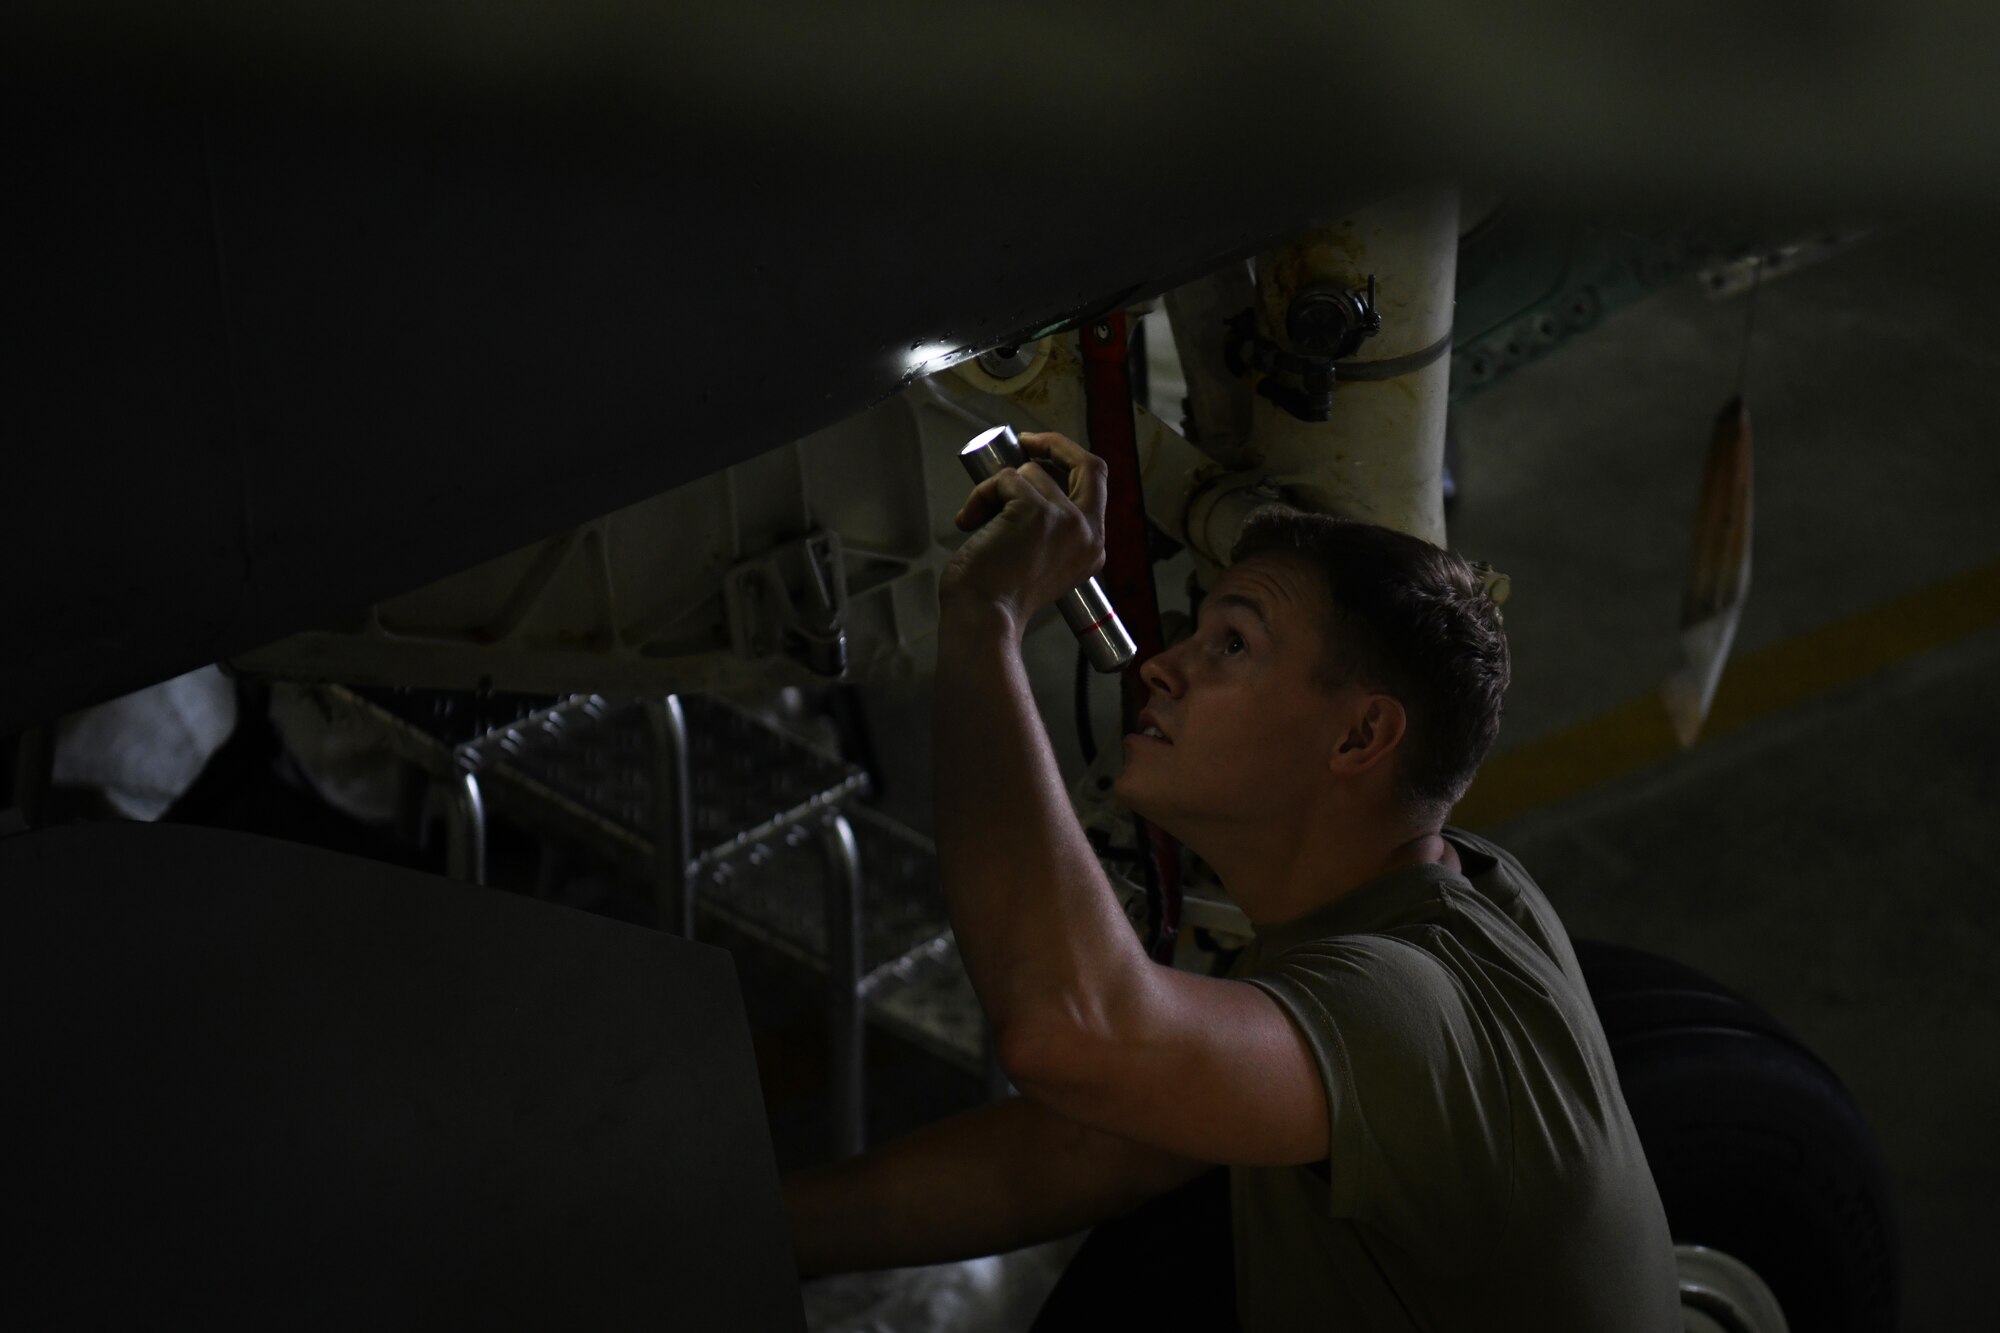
(1207, 1070)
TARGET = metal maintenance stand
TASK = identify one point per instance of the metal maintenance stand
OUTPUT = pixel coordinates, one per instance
(724, 815)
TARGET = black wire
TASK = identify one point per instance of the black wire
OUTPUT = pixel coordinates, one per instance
(1221, 959)
(857, 740)
(1138, 366)
(1101, 845)
(1084, 736)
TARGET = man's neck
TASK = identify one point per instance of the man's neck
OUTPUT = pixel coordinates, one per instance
(1276, 879)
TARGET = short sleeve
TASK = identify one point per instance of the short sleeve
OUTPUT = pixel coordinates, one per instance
(1420, 1139)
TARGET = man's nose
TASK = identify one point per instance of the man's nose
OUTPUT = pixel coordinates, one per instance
(1161, 671)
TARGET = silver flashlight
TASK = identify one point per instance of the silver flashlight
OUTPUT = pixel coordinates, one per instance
(1085, 608)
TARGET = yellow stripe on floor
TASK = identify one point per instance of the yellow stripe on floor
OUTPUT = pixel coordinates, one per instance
(1637, 734)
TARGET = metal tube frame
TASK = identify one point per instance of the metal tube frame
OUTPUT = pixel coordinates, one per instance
(846, 1007)
(465, 823)
(673, 817)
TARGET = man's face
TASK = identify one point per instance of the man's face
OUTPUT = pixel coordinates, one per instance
(1248, 733)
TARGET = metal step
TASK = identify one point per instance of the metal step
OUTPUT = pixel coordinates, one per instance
(581, 767)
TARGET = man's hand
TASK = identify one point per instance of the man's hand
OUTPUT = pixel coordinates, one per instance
(1033, 537)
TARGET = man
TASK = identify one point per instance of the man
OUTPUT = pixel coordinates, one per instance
(1405, 1077)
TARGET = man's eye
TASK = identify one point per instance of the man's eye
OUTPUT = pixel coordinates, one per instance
(1233, 639)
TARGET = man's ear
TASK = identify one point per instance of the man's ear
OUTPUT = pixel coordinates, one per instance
(1374, 729)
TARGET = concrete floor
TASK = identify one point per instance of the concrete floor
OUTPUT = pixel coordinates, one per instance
(1828, 859)
(1875, 471)
(1830, 865)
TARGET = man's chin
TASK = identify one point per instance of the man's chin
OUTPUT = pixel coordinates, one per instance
(1123, 799)
(1126, 800)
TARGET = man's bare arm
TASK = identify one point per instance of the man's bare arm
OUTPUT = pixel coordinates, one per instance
(1083, 1021)
(1044, 940)
(994, 1179)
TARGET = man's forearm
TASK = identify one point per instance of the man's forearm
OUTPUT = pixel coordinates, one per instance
(949, 1191)
(1038, 925)
(1004, 1175)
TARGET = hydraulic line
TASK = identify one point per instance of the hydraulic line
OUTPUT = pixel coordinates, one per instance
(1127, 578)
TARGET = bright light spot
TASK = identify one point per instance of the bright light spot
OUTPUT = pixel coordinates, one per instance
(929, 358)
(987, 437)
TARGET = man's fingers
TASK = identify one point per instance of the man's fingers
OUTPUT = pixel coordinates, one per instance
(1063, 473)
(1036, 475)
(1052, 444)
(989, 497)
(980, 505)
(1085, 482)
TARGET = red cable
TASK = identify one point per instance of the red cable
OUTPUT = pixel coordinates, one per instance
(1127, 577)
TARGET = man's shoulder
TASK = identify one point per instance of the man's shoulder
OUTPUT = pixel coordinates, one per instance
(1421, 926)
(1503, 881)
(1487, 856)
(1515, 915)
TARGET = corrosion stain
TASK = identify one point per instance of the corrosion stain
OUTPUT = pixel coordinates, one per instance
(1330, 254)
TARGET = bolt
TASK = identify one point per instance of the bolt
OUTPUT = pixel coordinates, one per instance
(1004, 363)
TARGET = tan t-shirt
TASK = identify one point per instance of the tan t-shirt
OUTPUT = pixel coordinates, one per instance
(1483, 1172)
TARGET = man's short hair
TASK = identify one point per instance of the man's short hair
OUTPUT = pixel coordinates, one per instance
(1412, 620)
